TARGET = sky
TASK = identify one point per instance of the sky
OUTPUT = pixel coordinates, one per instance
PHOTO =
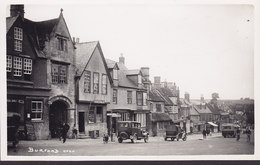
(202, 48)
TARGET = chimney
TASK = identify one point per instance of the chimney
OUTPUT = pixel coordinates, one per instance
(187, 96)
(202, 99)
(17, 10)
(122, 59)
(157, 81)
(145, 73)
(77, 40)
(73, 40)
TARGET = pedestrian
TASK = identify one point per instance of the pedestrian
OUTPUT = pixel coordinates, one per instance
(248, 133)
(204, 133)
(238, 134)
(65, 129)
(75, 132)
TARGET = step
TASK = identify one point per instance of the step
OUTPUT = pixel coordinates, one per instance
(83, 136)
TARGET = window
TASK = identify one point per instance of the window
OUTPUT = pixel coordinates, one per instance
(27, 66)
(115, 74)
(62, 44)
(139, 98)
(104, 84)
(114, 96)
(124, 116)
(158, 108)
(160, 125)
(99, 116)
(96, 83)
(91, 115)
(18, 66)
(9, 63)
(59, 74)
(129, 97)
(87, 82)
(18, 38)
(37, 110)
(144, 98)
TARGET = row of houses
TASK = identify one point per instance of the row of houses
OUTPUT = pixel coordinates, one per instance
(53, 78)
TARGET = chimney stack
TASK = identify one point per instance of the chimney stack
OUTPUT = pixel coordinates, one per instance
(145, 73)
(157, 81)
(187, 96)
(202, 99)
(17, 10)
(77, 40)
(122, 59)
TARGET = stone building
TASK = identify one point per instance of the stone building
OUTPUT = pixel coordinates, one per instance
(93, 89)
(40, 73)
(129, 95)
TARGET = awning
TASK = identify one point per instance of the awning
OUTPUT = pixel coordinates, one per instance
(160, 117)
(215, 125)
(114, 114)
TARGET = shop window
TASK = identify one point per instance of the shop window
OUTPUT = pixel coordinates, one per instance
(104, 84)
(99, 116)
(129, 97)
(36, 110)
(91, 115)
(95, 82)
(87, 82)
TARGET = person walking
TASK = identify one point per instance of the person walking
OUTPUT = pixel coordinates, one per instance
(238, 134)
(248, 133)
(204, 132)
(65, 129)
(75, 132)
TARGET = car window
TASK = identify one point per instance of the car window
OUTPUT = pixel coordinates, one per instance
(123, 125)
(136, 125)
(226, 127)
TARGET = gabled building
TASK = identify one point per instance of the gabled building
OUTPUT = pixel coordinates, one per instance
(196, 124)
(159, 119)
(129, 96)
(40, 73)
(205, 113)
(93, 89)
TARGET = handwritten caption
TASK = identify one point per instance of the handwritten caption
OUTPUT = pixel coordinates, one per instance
(45, 150)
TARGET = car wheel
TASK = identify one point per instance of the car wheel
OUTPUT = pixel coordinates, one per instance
(224, 136)
(185, 138)
(165, 139)
(177, 138)
(120, 140)
(172, 139)
(146, 139)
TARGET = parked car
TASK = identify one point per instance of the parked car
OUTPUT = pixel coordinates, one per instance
(13, 122)
(131, 130)
(175, 132)
(229, 130)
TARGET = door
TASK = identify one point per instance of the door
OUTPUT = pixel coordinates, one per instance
(81, 122)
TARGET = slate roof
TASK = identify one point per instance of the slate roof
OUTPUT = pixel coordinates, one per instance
(160, 117)
(193, 112)
(215, 111)
(165, 94)
(110, 63)
(83, 53)
(10, 21)
(155, 96)
(202, 109)
(133, 72)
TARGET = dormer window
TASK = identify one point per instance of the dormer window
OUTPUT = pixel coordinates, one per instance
(115, 74)
(18, 38)
(62, 44)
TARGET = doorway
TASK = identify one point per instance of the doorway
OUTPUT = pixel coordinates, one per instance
(81, 122)
(58, 116)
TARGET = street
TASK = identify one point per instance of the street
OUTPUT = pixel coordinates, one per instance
(195, 145)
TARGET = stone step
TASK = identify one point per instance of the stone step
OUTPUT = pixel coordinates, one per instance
(83, 136)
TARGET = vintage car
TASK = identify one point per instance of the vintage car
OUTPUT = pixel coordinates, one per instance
(13, 122)
(131, 130)
(229, 130)
(175, 132)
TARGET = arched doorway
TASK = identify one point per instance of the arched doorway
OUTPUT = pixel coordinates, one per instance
(58, 114)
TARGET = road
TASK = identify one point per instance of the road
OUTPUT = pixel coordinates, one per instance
(213, 145)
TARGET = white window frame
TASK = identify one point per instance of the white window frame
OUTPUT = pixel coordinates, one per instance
(18, 33)
(9, 63)
(18, 45)
(27, 66)
(37, 109)
(18, 66)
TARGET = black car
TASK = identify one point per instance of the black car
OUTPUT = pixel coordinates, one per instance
(131, 130)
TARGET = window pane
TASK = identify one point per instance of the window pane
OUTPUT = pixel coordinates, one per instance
(17, 66)
(87, 81)
(18, 33)
(139, 98)
(18, 45)
(55, 73)
(96, 83)
(104, 84)
(37, 110)
(27, 66)
(115, 96)
(8, 63)
(63, 74)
